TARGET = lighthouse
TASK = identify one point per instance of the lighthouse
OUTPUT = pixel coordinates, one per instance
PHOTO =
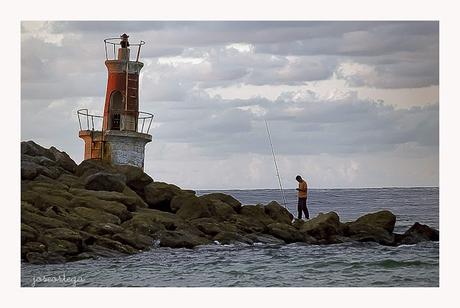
(118, 136)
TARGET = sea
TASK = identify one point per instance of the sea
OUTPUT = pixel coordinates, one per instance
(292, 265)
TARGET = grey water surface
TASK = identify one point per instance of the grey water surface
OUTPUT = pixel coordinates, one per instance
(293, 265)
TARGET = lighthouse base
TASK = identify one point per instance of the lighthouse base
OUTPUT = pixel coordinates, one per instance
(116, 146)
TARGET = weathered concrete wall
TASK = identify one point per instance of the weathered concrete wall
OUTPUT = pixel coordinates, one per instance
(126, 147)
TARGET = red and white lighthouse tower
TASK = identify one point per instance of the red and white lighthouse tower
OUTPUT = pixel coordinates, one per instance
(124, 129)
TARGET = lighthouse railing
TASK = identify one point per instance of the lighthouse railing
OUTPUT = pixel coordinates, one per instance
(144, 120)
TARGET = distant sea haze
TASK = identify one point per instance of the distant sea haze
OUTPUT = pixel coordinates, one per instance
(293, 265)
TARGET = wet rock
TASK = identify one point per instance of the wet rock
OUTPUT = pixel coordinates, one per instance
(278, 213)
(32, 247)
(44, 258)
(417, 233)
(265, 239)
(368, 233)
(381, 219)
(105, 181)
(92, 240)
(322, 226)
(158, 195)
(178, 239)
(226, 238)
(286, 232)
(136, 240)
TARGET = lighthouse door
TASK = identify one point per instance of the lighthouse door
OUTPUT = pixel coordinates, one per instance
(116, 108)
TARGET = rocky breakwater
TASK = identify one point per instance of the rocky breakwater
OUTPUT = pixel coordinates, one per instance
(71, 212)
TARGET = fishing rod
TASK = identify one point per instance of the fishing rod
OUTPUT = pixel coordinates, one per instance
(276, 165)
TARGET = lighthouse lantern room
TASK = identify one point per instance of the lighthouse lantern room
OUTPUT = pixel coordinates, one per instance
(121, 137)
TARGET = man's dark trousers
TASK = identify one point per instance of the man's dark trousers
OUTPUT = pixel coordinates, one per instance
(302, 206)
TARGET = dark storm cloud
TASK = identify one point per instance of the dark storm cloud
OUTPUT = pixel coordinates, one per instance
(299, 126)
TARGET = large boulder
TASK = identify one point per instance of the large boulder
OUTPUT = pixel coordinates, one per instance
(322, 227)
(381, 219)
(105, 181)
(219, 210)
(92, 166)
(63, 160)
(136, 178)
(32, 149)
(286, 232)
(158, 195)
(191, 207)
(256, 213)
(417, 233)
(247, 224)
(278, 213)
(227, 199)
(368, 233)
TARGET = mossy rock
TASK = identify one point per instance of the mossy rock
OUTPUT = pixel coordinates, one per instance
(256, 213)
(158, 195)
(113, 207)
(136, 240)
(226, 238)
(64, 234)
(103, 228)
(286, 232)
(322, 226)
(96, 215)
(247, 224)
(39, 221)
(381, 219)
(191, 207)
(108, 243)
(180, 239)
(105, 181)
(218, 209)
(227, 199)
(28, 233)
(278, 213)
(208, 226)
(136, 178)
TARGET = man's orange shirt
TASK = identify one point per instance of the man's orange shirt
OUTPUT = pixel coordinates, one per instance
(302, 189)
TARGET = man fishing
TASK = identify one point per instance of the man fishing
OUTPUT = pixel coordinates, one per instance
(302, 194)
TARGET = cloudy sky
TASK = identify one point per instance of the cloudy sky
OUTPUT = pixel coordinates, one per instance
(350, 104)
